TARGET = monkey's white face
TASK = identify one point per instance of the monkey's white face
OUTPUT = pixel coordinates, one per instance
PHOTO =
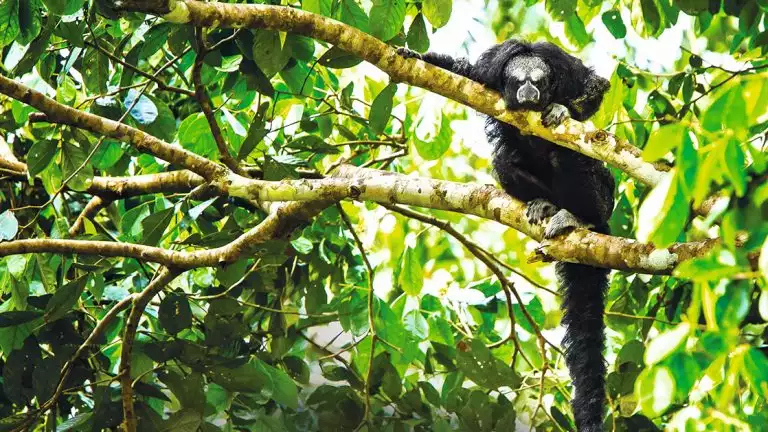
(527, 83)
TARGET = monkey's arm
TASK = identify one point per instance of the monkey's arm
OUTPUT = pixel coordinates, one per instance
(460, 66)
(587, 103)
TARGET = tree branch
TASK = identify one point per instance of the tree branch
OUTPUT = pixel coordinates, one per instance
(63, 114)
(363, 184)
(163, 277)
(572, 134)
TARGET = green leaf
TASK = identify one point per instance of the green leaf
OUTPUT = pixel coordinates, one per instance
(107, 155)
(733, 305)
(381, 108)
(72, 158)
(664, 212)
(416, 324)
(762, 263)
(96, 74)
(478, 364)
(440, 330)
(337, 58)
(9, 226)
(647, 18)
(614, 24)
(687, 160)
(749, 17)
(387, 18)
(322, 7)
(302, 245)
(63, 7)
(576, 32)
(692, 7)
(729, 111)
(560, 10)
(175, 313)
(663, 140)
(64, 299)
(256, 78)
(9, 21)
(655, 390)
(432, 148)
(184, 420)
(351, 13)
(667, 343)
(411, 275)
(249, 377)
(437, 12)
(417, 35)
(299, 78)
(195, 135)
(74, 423)
(14, 318)
(734, 162)
(71, 31)
(536, 311)
(297, 368)
(268, 52)
(254, 138)
(29, 20)
(755, 370)
(284, 389)
(612, 102)
(154, 225)
(187, 387)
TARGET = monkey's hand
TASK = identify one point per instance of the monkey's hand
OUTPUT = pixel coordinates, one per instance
(539, 210)
(408, 53)
(561, 223)
(554, 114)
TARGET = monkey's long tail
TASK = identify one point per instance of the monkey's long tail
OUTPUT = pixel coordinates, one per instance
(584, 290)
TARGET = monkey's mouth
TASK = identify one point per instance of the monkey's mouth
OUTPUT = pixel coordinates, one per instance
(514, 105)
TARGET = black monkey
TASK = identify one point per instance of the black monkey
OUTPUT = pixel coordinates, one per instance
(555, 182)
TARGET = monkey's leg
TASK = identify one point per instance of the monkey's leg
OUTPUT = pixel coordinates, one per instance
(460, 66)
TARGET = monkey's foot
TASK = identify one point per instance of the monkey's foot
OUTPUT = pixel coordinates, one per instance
(562, 222)
(538, 210)
(408, 53)
(554, 114)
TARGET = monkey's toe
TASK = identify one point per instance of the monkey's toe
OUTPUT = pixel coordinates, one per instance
(538, 210)
(554, 115)
(408, 53)
(562, 222)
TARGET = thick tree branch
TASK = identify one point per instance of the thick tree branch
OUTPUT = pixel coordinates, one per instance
(572, 134)
(388, 188)
(279, 223)
(63, 114)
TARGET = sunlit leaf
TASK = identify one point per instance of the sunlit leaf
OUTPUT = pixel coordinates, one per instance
(666, 343)
(437, 12)
(417, 35)
(387, 18)
(655, 389)
(382, 108)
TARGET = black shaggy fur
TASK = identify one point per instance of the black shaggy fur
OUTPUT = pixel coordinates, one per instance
(557, 183)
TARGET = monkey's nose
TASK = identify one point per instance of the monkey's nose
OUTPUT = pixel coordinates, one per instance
(528, 93)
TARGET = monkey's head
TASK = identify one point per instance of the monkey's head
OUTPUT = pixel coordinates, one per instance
(527, 83)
